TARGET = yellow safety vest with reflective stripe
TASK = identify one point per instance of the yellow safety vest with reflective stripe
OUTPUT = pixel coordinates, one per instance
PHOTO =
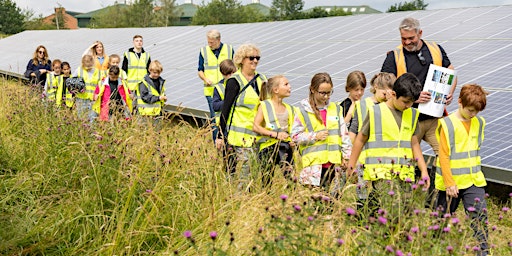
(328, 150)
(96, 107)
(136, 68)
(221, 88)
(50, 88)
(388, 149)
(211, 65)
(69, 101)
(272, 123)
(90, 83)
(243, 111)
(361, 112)
(401, 67)
(465, 162)
(147, 109)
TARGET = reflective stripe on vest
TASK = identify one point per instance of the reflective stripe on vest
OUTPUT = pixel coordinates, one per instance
(401, 66)
(388, 149)
(362, 111)
(328, 150)
(146, 109)
(136, 68)
(52, 83)
(243, 111)
(465, 161)
(272, 123)
(211, 65)
(90, 83)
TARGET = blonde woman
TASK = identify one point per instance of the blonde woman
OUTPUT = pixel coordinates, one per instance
(97, 50)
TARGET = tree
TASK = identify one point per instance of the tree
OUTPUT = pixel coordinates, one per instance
(139, 14)
(167, 14)
(225, 12)
(11, 18)
(110, 17)
(286, 9)
(408, 6)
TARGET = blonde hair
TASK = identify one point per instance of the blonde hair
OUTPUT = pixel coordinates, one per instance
(243, 52)
(382, 80)
(35, 59)
(87, 59)
(267, 89)
(93, 49)
(316, 81)
(156, 66)
(213, 34)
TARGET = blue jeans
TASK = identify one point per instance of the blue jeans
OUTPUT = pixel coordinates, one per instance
(209, 99)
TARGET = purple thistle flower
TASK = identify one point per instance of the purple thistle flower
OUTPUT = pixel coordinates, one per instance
(392, 161)
(455, 221)
(415, 229)
(353, 231)
(447, 215)
(433, 227)
(297, 208)
(449, 248)
(283, 197)
(382, 220)
(391, 193)
(381, 212)
(510, 195)
(416, 211)
(379, 159)
(477, 200)
(260, 230)
(421, 182)
(340, 242)
(466, 247)
(509, 244)
(310, 218)
(409, 238)
(389, 248)
(476, 248)
(434, 214)
(351, 211)
(414, 186)
(187, 234)
(471, 209)
(494, 228)
(408, 180)
(213, 235)
(326, 199)
(500, 217)
(288, 218)
(446, 229)
(505, 209)
(399, 253)
(149, 190)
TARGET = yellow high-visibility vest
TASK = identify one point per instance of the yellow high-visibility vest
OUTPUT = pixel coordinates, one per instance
(388, 149)
(147, 109)
(61, 87)
(51, 85)
(211, 65)
(401, 67)
(272, 123)
(241, 121)
(90, 83)
(328, 150)
(465, 162)
(136, 68)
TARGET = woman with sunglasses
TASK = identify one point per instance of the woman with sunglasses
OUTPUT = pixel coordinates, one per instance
(321, 133)
(240, 104)
(38, 66)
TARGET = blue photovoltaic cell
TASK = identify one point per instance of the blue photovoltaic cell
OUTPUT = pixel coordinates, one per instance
(478, 42)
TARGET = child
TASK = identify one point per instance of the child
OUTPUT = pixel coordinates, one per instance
(63, 95)
(114, 60)
(112, 96)
(321, 133)
(459, 175)
(53, 79)
(151, 93)
(356, 82)
(273, 122)
(91, 77)
(380, 83)
(384, 162)
(227, 68)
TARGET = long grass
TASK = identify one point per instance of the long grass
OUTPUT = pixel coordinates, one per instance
(68, 187)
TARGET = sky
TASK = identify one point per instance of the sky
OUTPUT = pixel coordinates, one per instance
(46, 7)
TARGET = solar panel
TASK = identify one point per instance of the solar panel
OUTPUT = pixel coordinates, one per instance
(478, 42)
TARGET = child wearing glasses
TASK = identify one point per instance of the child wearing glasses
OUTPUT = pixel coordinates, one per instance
(356, 83)
(322, 136)
(273, 124)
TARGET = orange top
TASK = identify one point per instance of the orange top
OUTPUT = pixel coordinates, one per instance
(444, 156)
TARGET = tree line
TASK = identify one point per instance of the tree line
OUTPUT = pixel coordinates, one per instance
(161, 13)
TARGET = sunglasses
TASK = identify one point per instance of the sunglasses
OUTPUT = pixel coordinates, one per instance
(41, 51)
(422, 59)
(251, 58)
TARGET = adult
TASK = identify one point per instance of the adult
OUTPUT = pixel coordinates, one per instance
(136, 63)
(210, 57)
(38, 66)
(97, 50)
(240, 103)
(415, 55)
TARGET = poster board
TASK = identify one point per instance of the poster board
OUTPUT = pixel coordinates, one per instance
(439, 81)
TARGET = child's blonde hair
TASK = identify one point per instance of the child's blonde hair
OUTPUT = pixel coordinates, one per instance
(268, 86)
(382, 80)
(56, 62)
(156, 66)
(87, 62)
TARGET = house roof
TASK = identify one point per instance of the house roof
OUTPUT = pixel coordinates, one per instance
(263, 9)
(187, 10)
